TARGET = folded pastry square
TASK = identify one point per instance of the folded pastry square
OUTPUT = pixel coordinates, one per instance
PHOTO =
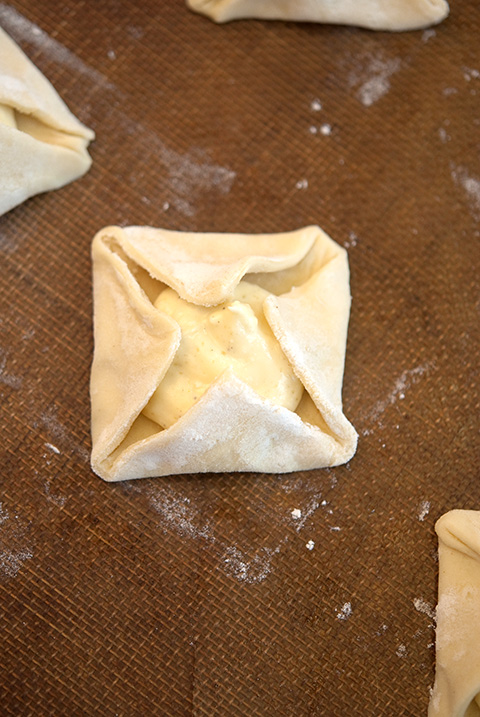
(372, 14)
(218, 352)
(456, 692)
(42, 144)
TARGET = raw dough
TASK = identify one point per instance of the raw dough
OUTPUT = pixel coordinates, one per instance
(304, 280)
(456, 692)
(42, 145)
(372, 14)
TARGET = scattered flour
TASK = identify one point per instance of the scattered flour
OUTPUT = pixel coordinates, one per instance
(23, 30)
(443, 134)
(62, 434)
(471, 186)
(427, 35)
(352, 241)
(316, 105)
(7, 378)
(302, 184)
(310, 545)
(373, 82)
(401, 651)
(402, 384)
(345, 611)
(326, 129)
(52, 448)
(248, 569)
(424, 607)
(470, 74)
(13, 552)
(424, 509)
(296, 513)
(178, 513)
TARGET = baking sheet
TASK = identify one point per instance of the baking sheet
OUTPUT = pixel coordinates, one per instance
(205, 595)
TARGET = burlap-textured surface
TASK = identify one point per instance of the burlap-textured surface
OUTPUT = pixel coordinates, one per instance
(198, 595)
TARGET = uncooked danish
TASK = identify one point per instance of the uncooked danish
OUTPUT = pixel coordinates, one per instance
(288, 300)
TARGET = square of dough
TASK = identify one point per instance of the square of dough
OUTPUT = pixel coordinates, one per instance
(303, 279)
(372, 14)
(456, 692)
(42, 144)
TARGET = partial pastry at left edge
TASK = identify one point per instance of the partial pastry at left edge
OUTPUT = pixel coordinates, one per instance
(43, 146)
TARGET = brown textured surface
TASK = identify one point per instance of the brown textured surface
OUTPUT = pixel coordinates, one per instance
(197, 595)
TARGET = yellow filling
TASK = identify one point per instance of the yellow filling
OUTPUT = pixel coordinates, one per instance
(7, 116)
(232, 335)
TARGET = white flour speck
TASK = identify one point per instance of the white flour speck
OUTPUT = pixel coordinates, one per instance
(424, 509)
(352, 241)
(112, 55)
(296, 513)
(326, 130)
(470, 74)
(427, 35)
(316, 105)
(443, 134)
(4, 516)
(424, 607)
(302, 184)
(52, 448)
(312, 129)
(310, 545)
(345, 611)
(165, 206)
(471, 186)
(401, 651)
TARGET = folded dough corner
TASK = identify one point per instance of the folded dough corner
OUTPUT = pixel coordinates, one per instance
(456, 692)
(42, 144)
(372, 14)
(304, 277)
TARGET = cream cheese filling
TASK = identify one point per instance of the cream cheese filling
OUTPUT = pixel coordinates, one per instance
(233, 335)
(38, 129)
(7, 116)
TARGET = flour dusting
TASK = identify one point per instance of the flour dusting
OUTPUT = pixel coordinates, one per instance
(374, 80)
(402, 384)
(7, 378)
(178, 513)
(470, 184)
(23, 30)
(302, 184)
(13, 551)
(424, 607)
(424, 509)
(248, 569)
(345, 611)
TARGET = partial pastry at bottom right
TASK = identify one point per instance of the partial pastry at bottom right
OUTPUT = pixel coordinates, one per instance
(456, 692)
